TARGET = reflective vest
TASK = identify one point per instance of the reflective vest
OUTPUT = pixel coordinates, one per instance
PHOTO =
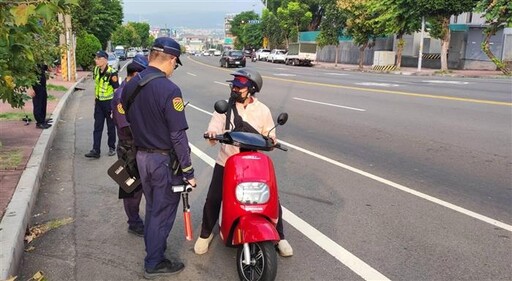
(104, 90)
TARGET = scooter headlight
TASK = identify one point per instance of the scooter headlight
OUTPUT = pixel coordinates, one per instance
(252, 193)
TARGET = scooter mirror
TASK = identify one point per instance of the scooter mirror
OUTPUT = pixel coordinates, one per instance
(282, 118)
(221, 106)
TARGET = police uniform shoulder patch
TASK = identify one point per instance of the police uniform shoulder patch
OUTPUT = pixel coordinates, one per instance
(120, 108)
(177, 103)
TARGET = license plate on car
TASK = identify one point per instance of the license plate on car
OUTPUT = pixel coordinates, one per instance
(237, 62)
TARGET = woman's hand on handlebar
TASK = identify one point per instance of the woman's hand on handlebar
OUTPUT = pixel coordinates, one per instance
(210, 136)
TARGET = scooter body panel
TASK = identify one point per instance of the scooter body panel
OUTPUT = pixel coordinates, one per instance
(248, 167)
(254, 228)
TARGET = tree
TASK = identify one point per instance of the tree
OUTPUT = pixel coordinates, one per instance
(396, 17)
(99, 17)
(293, 18)
(270, 29)
(316, 9)
(359, 25)
(29, 31)
(86, 45)
(497, 14)
(240, 24)
(142, 30)
(127, 36)
(444, 9)
(332, 26)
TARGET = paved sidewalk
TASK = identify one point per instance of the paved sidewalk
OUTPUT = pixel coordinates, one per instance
(413, 71)
(19, 185)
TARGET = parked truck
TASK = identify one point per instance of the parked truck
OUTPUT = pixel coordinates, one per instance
(301, 53)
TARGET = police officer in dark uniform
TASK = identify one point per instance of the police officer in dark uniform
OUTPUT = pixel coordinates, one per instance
(126, 149)
(106, 81)
(158, 124)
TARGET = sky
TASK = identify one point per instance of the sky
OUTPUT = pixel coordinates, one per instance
(186, 13)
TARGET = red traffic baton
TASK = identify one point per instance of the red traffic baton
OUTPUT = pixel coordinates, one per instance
(187, 220)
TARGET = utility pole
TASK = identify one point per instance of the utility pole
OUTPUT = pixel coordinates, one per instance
(420, 56)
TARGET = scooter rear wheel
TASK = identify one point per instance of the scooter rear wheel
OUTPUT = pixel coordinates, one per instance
(263, 265)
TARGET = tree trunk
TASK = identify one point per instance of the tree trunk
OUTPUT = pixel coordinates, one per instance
(485, 48)
(361, 55)
(445, 43)
(399, 50)
(337, 52)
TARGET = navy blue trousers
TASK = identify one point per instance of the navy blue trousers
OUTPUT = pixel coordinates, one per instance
(102, 112)
(39, 101)
(161, 204)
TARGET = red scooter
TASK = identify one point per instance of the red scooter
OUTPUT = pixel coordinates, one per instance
(250, 209)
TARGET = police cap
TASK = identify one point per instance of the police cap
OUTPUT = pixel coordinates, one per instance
(168, 46)
(100, 54)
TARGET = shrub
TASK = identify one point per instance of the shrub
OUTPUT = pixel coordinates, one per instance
(86, 45)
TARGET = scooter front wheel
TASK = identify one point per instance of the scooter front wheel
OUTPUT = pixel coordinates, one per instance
(262, 265)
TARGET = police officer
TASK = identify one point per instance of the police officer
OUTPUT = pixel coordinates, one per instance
(158, 123)
(106, 81)
(39, 96)
(246, 107)
(126, 149)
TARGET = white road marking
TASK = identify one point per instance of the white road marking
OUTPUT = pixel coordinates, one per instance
(377, 84)
(285, 74)
(336, 74)
(432, 199)
(446, 82)
(331, 247)
(330, 104)
(221, 83)
(191, 74)
(200, 109)
(403, 188)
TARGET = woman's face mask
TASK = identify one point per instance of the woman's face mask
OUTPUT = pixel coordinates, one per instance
(239, 95)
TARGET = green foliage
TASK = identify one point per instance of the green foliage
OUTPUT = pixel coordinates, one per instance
(294, 18)
(86, 45)
(29, 36)
(98, 17)
(246, 27)
(332, 25)
(127, 36)
(271, 29)
(142, 30)
(445, 8)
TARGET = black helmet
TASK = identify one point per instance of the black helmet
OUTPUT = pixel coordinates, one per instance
(251, 74)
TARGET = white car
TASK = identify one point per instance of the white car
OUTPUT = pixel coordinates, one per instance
(277, 55)
(262, 54)
(131, 53)
(217, 53)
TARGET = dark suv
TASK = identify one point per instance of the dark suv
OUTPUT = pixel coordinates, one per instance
(232, 58)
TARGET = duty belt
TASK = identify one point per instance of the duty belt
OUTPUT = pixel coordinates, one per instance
(154, 150)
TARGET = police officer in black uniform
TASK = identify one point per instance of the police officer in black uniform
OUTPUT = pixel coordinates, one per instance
(158, 124)
(106, 81)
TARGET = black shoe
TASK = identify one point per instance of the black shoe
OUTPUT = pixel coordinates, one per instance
(111, 152)
(43, 126)
(136, 230)
(165, 267)
(93, 154)
(49, 120)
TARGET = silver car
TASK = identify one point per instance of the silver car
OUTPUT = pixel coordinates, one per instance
(113, 61)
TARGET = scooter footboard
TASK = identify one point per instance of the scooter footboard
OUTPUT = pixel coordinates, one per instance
(254, 228)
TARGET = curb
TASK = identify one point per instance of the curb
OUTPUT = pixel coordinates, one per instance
(18, 212)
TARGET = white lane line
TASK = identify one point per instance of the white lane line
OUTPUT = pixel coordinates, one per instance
(200, 109)
(330, 104)
(285, 74)
(331, 247)
(404, 188)
(221, 83)
(191, 74)
(336, 74)
(446, 82)
(377, 84)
